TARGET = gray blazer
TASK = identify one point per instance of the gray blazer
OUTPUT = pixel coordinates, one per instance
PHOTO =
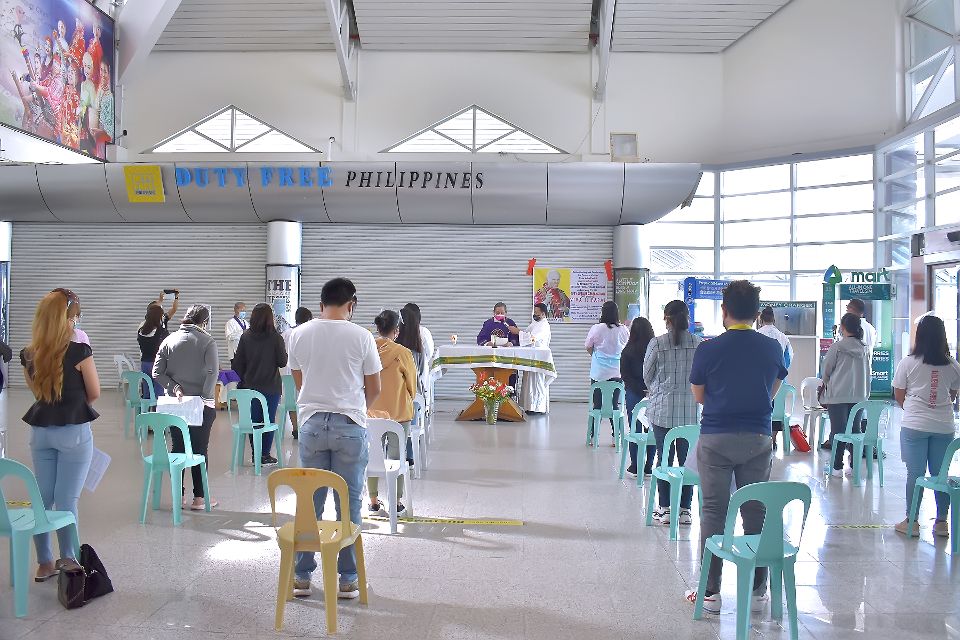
(188, 358)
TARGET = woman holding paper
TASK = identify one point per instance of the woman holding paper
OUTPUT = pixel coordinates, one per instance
(63, 378)
(187, 365)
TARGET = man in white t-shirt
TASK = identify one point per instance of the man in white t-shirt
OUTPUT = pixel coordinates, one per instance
(858, 308)
(336, 368)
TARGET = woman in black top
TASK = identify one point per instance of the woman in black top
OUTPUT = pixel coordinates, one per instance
(151, 334)
(63, 378)
(260, 355)
(631, 369)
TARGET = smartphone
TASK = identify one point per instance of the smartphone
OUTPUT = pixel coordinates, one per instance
(169, 291)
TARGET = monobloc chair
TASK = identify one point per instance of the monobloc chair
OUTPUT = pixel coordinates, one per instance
(123, 364)
(161, 461)
(677, 476)
(386, 469)
(245, 425)
(20, 525)
(306, 533)
(288, 402)
(136, 405)
(814, 414)
(607, 410)
(770, 548)
(947, 484)
(642, 437)
(418, 437)
(871, 440)
(783, 412)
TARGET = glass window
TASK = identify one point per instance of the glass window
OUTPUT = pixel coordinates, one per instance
(755, 259)
(908, 155)
(767, 205)
(846, 256)
(681, 260)
(924, 42)
(706, 186)
(921, 77)
(948, 208)
(662, 234)
(755, 180)
(944, 93)
(937, 13)
(903, 219)
(663, 291)
(835, 170)
(946, 137)
(810, 287)
(948, 174)
(739, 234)
(701, 209)
(896, 252)
(858, 197)
(858, 226)
(773, 286)
(904, 188)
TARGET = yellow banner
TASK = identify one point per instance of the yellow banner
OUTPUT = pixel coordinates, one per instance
(144, 183)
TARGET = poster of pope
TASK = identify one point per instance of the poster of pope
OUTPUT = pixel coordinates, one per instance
(551, 287)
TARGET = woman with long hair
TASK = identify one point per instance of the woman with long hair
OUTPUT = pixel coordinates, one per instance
(411, 337)
(260, 355)
(605, 342)
(926, 385)
(846, 381)
(63, 378)
(398, 387)
(150, 336)
(187, 365)
(666, 371)
(631, 368)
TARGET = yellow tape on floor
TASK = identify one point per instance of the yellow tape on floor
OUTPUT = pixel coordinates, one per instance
(18, 503)
(859, 526)
(468, 521)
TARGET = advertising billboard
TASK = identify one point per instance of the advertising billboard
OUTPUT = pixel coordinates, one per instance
(56, 72)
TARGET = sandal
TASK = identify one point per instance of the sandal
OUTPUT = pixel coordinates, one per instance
(44, 578)
(202, 506)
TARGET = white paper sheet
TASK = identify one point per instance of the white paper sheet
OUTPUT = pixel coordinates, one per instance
(98, 467)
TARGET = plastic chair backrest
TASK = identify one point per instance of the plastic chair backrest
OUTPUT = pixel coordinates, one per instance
(607, 389)
(873, 411)
(638, 410)
(781, 408)
(289, 392)
(136, 379)
(160, 423)
(808, 391)
(123, 364)
(376, 429)
(17, 470)
(305, 483)
(947, 459)
(690, 433)
(775, 497)
(245, 399)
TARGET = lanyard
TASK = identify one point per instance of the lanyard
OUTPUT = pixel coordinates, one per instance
(740, 327)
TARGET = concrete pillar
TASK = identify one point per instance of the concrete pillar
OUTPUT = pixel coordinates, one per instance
(282, 285)
(631, 273)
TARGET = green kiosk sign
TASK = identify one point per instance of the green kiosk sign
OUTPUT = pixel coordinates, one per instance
(869, 286)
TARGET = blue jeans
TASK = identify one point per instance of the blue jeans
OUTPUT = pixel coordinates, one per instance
(256, 414)
(61, 459)
(147, 368)
(632, 400)
(336, 443)
(922, 450)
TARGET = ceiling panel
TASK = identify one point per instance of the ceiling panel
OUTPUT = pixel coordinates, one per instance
(248, 25)
(687, 26)
(481, 25)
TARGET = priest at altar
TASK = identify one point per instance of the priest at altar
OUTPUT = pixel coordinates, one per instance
(534, 393)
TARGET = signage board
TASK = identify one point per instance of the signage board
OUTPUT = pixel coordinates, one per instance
(144, 183)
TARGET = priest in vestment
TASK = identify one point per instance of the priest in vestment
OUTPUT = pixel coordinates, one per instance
(499, 326)
(534, 392)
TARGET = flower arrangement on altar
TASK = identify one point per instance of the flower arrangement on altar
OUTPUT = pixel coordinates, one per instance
(491, 389)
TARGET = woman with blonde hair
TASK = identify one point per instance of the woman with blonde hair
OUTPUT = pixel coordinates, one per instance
(63, 378)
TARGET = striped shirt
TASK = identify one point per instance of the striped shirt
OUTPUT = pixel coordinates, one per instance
(666, 370)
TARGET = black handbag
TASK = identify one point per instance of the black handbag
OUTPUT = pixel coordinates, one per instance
(78, 585)
(71, 584)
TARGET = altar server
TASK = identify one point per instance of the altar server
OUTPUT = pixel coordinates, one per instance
(234, 328)
(534, 392)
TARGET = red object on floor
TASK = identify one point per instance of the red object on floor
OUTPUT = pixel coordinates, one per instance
(799, 440)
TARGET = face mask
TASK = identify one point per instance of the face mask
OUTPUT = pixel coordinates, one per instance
(537, 318)
(242, 315)
(76, 322)
(499, 317)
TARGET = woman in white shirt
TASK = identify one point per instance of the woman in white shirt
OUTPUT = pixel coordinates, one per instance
(605, 341)
(926, 385)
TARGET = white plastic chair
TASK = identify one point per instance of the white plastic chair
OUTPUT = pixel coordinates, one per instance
(813, 414)
(418, 438)
(123, 364)
(387, 470)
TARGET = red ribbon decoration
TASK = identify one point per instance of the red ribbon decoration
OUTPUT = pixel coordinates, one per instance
(608, 265)
(530, 263)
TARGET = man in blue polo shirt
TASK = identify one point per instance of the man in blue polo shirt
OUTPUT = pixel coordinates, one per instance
(735, 377)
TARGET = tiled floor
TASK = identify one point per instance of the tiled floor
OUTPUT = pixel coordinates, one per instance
(583, 565)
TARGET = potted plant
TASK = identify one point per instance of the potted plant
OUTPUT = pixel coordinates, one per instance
(492, 393)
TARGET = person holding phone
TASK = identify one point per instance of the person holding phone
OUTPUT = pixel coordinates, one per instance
(173, 308)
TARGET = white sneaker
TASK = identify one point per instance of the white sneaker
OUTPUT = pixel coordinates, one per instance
(836, 473)
(848, 473)
(685, 517)
(662, 515)
(711, 604)
(757, 603)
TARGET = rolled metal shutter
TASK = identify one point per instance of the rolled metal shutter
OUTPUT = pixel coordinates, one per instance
(116, 270)
(456, 274)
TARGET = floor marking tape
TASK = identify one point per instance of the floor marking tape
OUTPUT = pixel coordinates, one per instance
(477, 521)
(859, 526)
(18, 503)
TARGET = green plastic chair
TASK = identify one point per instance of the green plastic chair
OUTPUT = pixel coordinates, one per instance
(288, 403)
(770, 548)
(783, 412)
(678, 477)
(20, 525)
(947, 484)
(606, 410)
(134, 404)
(161, 461)
(639, 437)
(873, 411)
(245, 425)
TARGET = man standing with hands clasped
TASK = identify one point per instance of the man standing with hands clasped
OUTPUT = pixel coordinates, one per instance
(735, 377)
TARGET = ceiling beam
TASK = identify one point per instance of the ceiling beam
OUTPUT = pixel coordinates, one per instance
(338, 15)
(607, 9)
(139, 27)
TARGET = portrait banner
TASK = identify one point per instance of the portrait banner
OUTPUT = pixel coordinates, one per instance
(571, 295)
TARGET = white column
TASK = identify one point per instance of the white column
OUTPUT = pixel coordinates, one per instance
(282, 284)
